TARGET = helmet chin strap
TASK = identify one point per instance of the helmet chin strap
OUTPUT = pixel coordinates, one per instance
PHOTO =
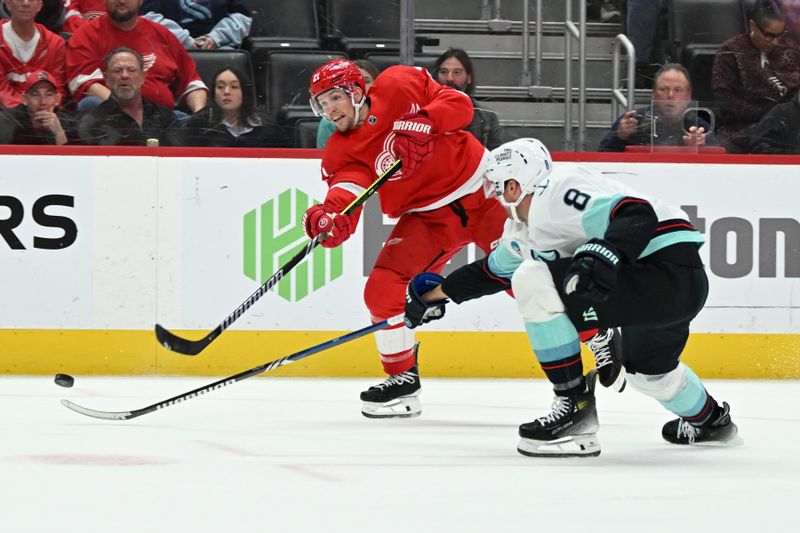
(512, 206)
(357, 106)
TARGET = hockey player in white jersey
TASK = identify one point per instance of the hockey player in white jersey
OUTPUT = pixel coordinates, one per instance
(589, 259)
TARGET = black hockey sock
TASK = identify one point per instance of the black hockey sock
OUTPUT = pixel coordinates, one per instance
(566, 374)
(707, 414)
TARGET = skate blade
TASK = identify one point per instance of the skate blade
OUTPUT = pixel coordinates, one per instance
(403, 407)
(572, 446)
(734, 441)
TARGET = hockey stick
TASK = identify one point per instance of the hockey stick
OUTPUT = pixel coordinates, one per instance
(230, 380)
(187, 347)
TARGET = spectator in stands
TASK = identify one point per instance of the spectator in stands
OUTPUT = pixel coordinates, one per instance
(326, 127)
(51, 15)
(79, 12)
(753, 72)
(454, 69)
(231, 118)
(779, 131)
(641, 26)
(27, 46)
(203, 24)
(36, 120)
(126, 117)
(673, 125)
(172, 79)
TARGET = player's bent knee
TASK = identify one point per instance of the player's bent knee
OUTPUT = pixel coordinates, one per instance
(663, 387)
(535, 292)
(384, 293)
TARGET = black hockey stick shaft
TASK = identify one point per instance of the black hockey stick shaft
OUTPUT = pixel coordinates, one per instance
(230, 380)
(189, 347)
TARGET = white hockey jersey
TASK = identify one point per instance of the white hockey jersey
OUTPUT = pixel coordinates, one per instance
(573, 205)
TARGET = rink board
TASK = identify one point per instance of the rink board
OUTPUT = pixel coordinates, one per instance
(97, 249)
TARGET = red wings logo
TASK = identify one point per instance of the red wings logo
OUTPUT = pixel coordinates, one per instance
(386, 157)
(149, 61)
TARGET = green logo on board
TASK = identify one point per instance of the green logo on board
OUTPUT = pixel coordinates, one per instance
(273, 234)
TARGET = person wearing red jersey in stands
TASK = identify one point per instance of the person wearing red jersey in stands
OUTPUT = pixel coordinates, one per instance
(172, 79)
(79, 12)
(437, 196)
(25, 47)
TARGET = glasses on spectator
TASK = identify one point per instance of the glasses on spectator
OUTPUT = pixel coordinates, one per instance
(768, 35)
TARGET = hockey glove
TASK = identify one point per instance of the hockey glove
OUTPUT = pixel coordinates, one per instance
(418, 311)
(593, 272)
(413, 140)
(338, 228)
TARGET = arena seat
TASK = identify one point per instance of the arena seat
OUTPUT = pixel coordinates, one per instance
(284, 24)
(305, 132)
(448, 9)
(287, 77)
(362, 26)
(697, 28)
(383, 61)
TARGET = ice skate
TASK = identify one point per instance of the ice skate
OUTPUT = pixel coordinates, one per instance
(720, 429)
(396, 397)
(570, 430)
(607, 347)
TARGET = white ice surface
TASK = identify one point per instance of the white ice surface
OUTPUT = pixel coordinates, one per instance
(286, 455)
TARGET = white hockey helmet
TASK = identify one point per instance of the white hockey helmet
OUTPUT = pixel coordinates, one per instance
(525, 160)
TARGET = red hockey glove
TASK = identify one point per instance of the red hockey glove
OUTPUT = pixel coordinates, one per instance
(413, 140)
(337, 227)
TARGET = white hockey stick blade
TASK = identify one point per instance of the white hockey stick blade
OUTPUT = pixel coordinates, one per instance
(104, 415)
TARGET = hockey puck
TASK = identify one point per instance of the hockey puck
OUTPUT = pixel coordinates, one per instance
(64, 380)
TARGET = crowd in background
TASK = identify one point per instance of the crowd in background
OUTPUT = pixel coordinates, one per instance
(117, 72)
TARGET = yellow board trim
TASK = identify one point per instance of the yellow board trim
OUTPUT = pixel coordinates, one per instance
(443, 354)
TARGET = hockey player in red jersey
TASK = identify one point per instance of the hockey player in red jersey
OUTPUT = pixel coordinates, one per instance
(437, 196)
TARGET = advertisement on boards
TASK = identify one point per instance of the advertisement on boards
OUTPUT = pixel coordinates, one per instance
(240, 226)
(45, 243)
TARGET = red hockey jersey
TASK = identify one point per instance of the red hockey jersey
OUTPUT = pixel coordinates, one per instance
(171, 73)
(80, 12)
(49, 55)
(354, 159)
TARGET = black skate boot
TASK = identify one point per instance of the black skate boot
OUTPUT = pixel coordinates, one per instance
(607, 347)
(719, 429)
(570, 430)
(397, 397)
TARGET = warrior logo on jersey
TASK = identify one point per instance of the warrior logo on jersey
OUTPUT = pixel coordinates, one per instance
(386, 157)
(149, 61)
